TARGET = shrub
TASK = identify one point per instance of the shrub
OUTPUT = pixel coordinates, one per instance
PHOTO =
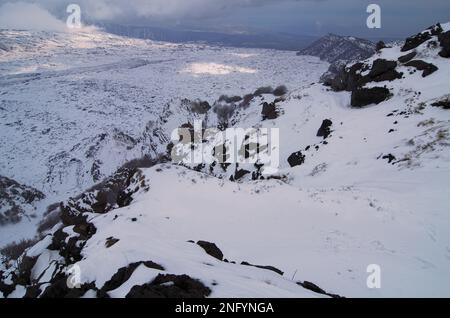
(14, 250)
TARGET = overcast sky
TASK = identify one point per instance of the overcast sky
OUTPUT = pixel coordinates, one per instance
(308, 17)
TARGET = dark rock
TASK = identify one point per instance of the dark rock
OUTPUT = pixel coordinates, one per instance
(240, 174)
(390, 157)
(23, 273)
(325, 130)
(367, 96)
(408, 57)
(296, 159)
(380, 45)
(383, 70)
(124, 199)
(270, 268)
(445, 104)
(58, 288)
(415, 41)
(314, 288)
(5, 289)
(86, 230)
(32, 292)
(123, 275)
(444, 40)
(420, 65)
(269, 111)
(211, 249)
(280, 91)
(110, 241)
(381, 66)
(171, 286)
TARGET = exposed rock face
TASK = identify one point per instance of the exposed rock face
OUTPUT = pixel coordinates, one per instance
(420, 65)
(171, 286)
(366, 96)
(444, 40)
(407, 57)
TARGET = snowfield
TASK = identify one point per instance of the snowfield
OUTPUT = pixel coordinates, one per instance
(373, 190)
(76, 106)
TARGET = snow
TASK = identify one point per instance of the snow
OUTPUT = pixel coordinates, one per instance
(326, 221)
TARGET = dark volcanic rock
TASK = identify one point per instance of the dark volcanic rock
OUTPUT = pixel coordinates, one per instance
(296, 159)
(123, 275)
(427, 68)
(269, 111)
(314, 288)
(366, 96)
(380, 45)
(383, 70)
(270, 268)
(325, 129)
(444, 39)
(418, 39)
(240, 174)
(390, 157)
(171, 286)
(381, 66)
(445, 104)
(58, 288)
(211, 249)
(408, 57)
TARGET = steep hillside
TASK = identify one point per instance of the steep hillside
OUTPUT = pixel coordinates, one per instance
(333, 48)
(362, 180)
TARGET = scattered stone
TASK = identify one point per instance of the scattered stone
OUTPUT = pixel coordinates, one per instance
(211, 249)
(296, 159)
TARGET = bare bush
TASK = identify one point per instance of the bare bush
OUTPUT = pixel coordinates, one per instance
(14, 250)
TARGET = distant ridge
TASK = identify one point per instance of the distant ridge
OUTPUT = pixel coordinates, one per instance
(333, 48)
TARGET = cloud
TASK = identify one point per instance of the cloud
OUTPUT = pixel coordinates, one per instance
(28, 16)
(108, 10)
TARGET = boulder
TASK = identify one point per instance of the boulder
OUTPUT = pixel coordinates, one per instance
(383, 70)
(269, 111)
(325, 130)
(365, 96)
(211, 249)
(171, 286)
(296, 159)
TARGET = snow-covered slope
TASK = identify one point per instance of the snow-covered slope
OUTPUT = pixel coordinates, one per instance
(367, 184)
(74, 107)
